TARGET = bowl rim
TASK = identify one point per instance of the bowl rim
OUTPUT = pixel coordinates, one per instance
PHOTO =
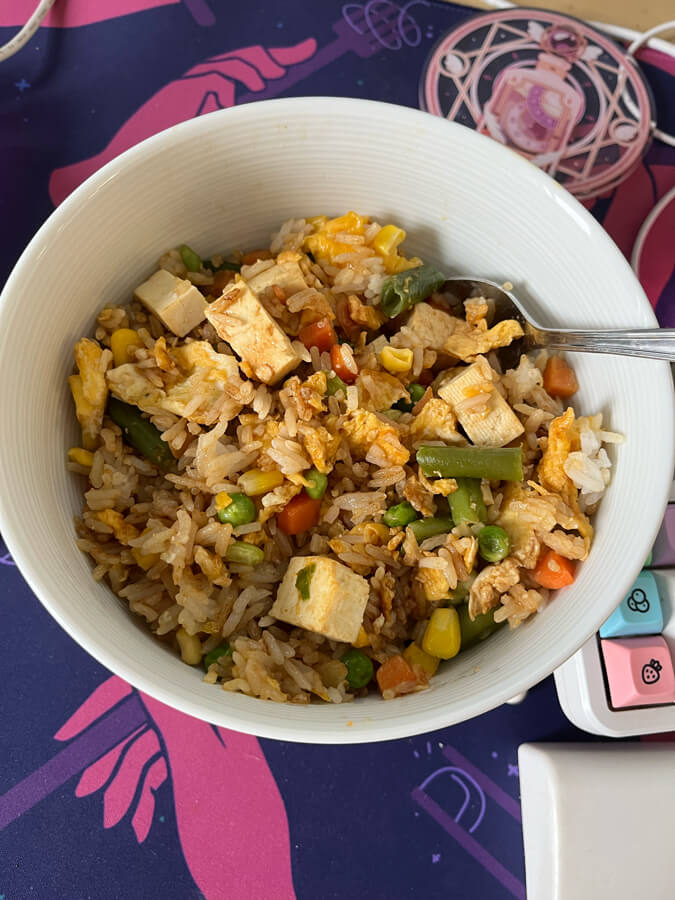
(312, 730)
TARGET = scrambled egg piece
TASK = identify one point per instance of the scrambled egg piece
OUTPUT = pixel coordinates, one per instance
(198, 368)
(493, 581)
(321, 446)
(563, 438)
(436, 422)
(435, 584)
(327, 247)
(379, 390)
(121, 529)
(467, 345)
(370, 437)
(370, 317)
(89, 390)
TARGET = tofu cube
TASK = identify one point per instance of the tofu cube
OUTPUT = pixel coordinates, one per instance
(432, 326)
(288, 276)
(242, 321)
(176, 302)
(491, 423)
(335, 601)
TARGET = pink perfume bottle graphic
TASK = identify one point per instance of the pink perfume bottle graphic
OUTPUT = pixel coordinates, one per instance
(533, 110)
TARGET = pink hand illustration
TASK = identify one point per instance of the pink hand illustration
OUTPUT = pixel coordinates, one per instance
(226, 801)
(208, 86)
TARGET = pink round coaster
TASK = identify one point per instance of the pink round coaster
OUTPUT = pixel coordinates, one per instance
(550, 87)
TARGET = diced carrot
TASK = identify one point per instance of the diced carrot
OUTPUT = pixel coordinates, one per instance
(396, 675)
(341, 367)
(319, 334)
(559, 378)
(249, 258)
(553, 571)
(300, 514)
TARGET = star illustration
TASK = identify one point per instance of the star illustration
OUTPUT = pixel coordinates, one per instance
(513, 770)
(22, 85)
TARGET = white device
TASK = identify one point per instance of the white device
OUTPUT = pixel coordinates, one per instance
(598, 820)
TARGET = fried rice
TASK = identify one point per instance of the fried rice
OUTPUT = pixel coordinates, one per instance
(312, 406)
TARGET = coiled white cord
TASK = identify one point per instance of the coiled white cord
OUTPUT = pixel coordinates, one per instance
(14, 44)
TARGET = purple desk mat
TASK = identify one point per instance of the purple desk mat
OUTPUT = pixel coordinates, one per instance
(105, 793)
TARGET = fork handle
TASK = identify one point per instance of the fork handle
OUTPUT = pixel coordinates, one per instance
(652, 343)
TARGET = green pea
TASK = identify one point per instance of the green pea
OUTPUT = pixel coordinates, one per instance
(493, 543)
(359, 668)
(216, 653)
(400, 515)
(473, 632)
(191, 260)
(416, 391)
(240, 511)
(243, 554)
(319, 483)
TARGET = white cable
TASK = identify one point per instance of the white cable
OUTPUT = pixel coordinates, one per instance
(633, 48)
(14, 44)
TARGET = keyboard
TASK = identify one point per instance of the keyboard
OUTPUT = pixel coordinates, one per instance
(621, 683)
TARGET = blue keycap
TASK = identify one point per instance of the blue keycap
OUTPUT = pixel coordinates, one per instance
(638, 613)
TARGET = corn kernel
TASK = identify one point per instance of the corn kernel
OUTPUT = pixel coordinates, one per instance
(81, 457)
(144, 560)
(256, 482)
(223, 500)
(397, 359)
(387, 239)
(361, 638)
(442, 638)
(417, 657)
(122, 342)
(190, 647)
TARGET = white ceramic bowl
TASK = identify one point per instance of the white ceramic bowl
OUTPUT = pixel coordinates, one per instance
(227, 180)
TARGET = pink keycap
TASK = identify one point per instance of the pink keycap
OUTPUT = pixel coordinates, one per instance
(639, 671)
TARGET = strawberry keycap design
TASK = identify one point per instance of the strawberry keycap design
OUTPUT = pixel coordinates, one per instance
(639, 671)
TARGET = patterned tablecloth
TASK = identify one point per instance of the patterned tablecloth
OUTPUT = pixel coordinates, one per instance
(107, 793)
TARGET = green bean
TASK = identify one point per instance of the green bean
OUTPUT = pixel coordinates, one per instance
(226, 264)
(215, 654)
(466, 503)
(403, 290)
(319, 483)
(400, 515)
(191, 260)
(335, 384)
(359, 668)
(141, 434)
(493, 463)
(240, 511)
(426, 528)
(473, 632)
(493, 543)
(243, 554)
(303, 580)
